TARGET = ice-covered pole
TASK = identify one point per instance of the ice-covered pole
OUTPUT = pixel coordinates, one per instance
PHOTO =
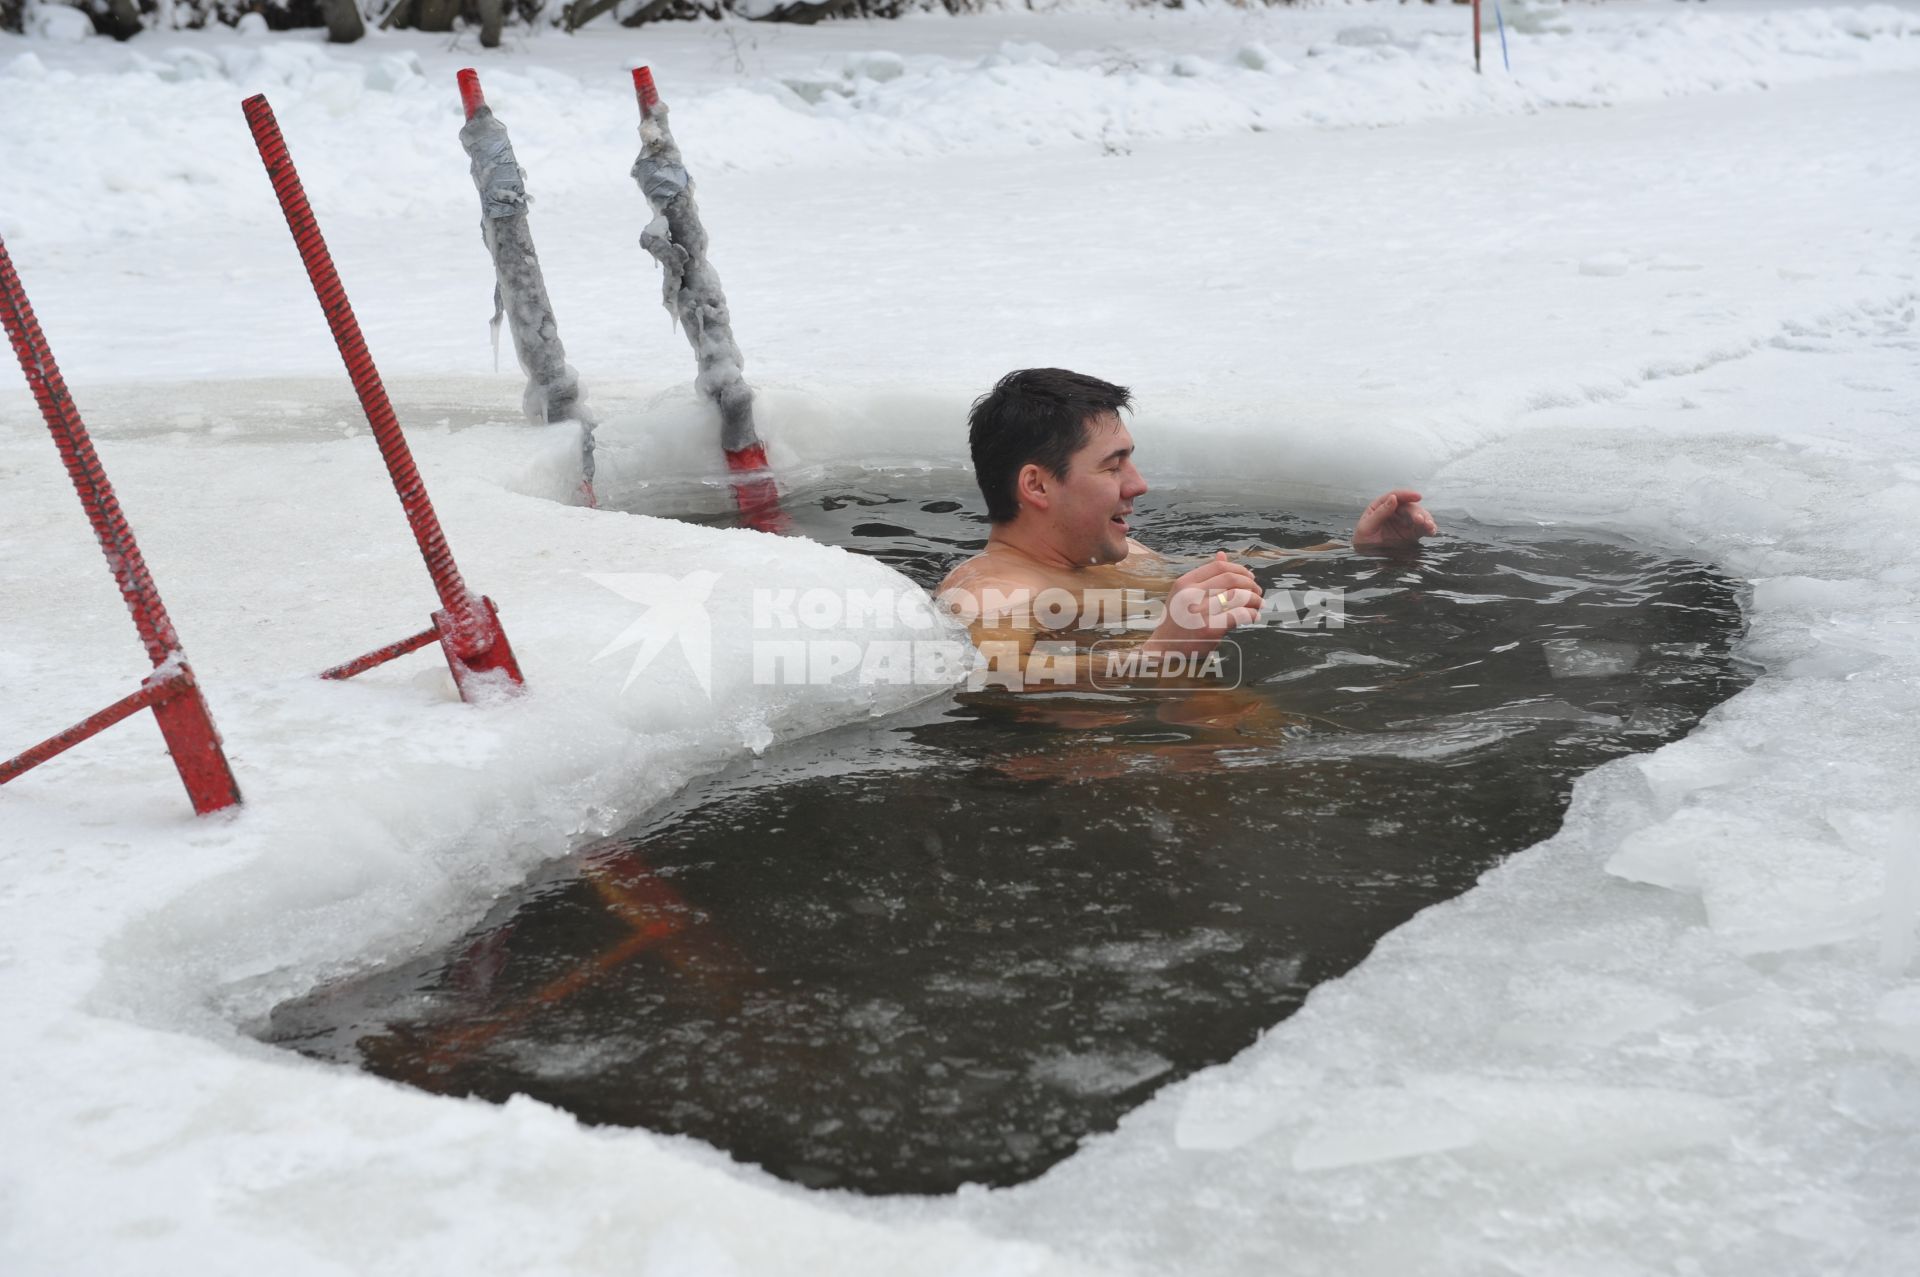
(553, 389)
(690, 290)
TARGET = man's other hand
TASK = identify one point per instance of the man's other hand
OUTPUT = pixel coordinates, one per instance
(1397, 519)
(1207, 602)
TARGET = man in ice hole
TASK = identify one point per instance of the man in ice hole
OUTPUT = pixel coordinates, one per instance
(1055, 464)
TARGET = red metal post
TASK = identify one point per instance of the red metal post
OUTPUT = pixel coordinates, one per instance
(644, 90)
(471, 98)
(173, 695)
(755, 494)
(1476, 37)
(468, 626)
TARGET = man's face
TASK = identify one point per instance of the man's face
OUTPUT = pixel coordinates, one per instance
(1092, 504)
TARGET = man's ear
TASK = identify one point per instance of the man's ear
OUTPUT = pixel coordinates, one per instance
(1034, 486)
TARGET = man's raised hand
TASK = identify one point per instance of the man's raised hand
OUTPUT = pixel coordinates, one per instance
(1397, 519)
(1207, 602)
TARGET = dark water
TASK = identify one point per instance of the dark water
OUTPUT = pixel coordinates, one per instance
(942, 949)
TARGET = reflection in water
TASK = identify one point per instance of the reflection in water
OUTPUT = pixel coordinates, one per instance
(947, 947)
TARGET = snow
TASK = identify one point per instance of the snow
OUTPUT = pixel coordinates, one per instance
(1681, 1035)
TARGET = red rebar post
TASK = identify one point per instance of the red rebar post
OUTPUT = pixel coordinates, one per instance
(467, 624)
(171, 692)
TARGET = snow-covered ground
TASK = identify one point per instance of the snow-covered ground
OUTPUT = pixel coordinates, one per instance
(1681, 1036)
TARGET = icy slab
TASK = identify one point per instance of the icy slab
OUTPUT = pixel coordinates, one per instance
(1380, 1125)
(1101, 1073)
(1542, 1123)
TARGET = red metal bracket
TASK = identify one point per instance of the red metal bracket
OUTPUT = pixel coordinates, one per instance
(467, 625)
(381, 655)
(171, 691)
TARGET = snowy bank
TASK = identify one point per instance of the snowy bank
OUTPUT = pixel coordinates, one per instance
(370, 124)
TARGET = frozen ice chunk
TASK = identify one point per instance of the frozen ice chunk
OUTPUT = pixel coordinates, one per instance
(1100, 1072)
(1158, 953)
(1768, 884)
(1584, 658)
(1565, 1122)
(1534, 17)
(1668, 854)
(387, 74)
(1808, 593)
(1218, 1113)
(1366, 37)
(1784, 892)
(189, 64)
(1381, 1124)
(1691, 765)
(812, 89)
(877, 65)
(1258, 57)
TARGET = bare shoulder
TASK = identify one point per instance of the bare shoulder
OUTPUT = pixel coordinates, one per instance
(993, 572)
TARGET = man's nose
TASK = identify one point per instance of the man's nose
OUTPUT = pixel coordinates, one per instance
(1135, 485)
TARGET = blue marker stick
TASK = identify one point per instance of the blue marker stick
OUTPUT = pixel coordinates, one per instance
(1502, 24)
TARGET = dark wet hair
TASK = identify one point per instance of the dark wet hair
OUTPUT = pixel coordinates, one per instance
(1037, 415)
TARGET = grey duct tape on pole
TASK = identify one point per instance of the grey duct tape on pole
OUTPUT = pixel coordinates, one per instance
(553, 389)
(689, 286)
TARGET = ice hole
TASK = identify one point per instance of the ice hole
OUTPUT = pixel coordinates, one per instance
(947, 948)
